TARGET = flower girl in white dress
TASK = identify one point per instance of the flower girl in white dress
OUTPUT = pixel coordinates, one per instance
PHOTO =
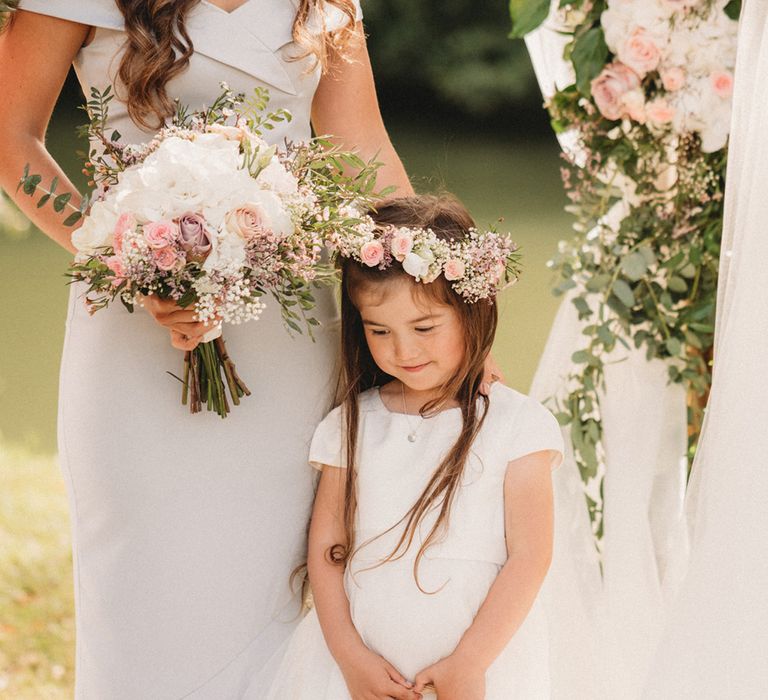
(432, 526)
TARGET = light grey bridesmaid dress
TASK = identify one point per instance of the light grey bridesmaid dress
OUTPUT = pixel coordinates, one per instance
(186, 528)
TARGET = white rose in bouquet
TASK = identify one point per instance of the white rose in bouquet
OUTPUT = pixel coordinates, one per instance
(277, 178)
(96, 231)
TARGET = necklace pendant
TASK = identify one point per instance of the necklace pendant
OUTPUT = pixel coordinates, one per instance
(412, 437)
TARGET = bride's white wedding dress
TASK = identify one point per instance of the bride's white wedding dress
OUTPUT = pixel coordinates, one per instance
(186, 528)
(603, 631)
(716, 643)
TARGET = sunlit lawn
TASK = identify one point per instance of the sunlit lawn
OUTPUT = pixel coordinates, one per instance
(36, 605)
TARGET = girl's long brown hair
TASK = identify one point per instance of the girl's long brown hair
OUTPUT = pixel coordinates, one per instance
(449, 220)
(158, 48)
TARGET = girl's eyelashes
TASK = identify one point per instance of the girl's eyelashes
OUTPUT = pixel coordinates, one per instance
(377, 331)
(425, 329)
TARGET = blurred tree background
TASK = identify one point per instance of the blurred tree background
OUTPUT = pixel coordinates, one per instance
(451, 59)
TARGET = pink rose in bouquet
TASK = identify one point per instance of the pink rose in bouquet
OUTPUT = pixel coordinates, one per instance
(246, 221)
(166, 259)
(160, 234)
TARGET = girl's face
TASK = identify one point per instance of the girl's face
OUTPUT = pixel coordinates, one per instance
(415, 339)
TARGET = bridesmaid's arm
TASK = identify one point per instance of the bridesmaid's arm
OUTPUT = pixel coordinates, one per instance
(36, 52)
(346, 107)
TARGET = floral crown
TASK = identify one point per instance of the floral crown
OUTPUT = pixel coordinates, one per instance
(478, 266)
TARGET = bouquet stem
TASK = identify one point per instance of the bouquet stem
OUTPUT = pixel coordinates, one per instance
(208, 373)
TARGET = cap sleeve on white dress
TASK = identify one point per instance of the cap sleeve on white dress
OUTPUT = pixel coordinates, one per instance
(326, 442)
(94, 13)
(536, 430)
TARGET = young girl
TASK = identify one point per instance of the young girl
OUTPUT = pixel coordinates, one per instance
(432, 525)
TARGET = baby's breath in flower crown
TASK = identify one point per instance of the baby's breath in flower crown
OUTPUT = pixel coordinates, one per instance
(478, 266)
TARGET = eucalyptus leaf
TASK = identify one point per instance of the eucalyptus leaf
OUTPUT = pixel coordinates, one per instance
(73, 218)
(527, 15)
(674, 346)
(677, 284)
(582, 307)
(634, 266)
(61, 201)
(624, 293)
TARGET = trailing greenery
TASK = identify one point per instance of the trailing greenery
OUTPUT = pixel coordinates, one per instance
(646, 189)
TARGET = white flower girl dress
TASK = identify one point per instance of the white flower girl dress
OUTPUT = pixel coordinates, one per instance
(411, 629)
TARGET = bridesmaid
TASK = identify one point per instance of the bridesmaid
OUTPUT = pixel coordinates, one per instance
(186, 528)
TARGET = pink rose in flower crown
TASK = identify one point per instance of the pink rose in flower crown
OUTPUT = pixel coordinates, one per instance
(194, 236)
(610, 86)
(165, 258)
(160, 234)
(246, 221)
(402, 244)
(673, 78)
(372, 253)
(660, 112)
(454, 269)
(722, 83)
(640, 53)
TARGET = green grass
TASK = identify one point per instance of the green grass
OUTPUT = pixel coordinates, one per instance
(36, 603)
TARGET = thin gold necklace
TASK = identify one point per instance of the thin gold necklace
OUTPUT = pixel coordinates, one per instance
(412, 433)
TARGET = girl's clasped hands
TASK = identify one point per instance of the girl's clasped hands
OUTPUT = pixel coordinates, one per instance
(371, 677)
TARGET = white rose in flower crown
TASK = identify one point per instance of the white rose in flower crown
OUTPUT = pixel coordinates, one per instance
(416, 266)
(96, 231)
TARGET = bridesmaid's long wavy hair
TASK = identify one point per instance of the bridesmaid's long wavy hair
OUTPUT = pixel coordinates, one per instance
(158, 48)
(449, 220)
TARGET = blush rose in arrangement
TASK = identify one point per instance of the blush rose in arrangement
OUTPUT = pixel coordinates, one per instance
(208, 215)
(645, 120)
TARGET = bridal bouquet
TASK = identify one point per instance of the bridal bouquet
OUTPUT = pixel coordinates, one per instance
(208, 215)
(645, 122)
